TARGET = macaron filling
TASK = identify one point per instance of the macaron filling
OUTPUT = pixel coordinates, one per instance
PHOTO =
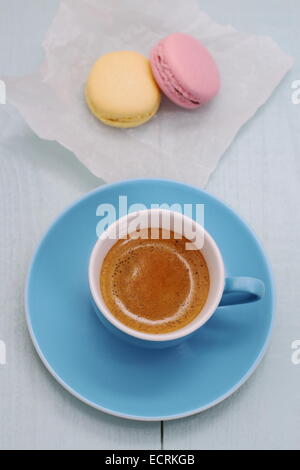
(130, 120)
(167, 77)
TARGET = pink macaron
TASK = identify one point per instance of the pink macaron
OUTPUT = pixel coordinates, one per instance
(185, 70)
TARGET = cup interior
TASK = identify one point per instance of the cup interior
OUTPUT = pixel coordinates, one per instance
(160, 218)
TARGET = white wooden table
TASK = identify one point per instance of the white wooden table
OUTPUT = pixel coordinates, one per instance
(259, 176)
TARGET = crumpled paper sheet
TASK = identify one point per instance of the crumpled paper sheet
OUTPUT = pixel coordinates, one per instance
(177, 144)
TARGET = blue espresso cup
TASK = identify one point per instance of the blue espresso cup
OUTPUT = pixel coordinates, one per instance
(223, 291)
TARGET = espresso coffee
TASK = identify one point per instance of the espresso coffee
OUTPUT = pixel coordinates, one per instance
(152, 283)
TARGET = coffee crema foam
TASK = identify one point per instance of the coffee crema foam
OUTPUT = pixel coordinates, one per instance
(152, 284)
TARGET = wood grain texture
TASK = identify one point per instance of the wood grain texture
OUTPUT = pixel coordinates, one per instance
(37, 181)
(259, 177)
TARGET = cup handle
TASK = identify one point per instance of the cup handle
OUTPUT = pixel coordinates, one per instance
(242, 290)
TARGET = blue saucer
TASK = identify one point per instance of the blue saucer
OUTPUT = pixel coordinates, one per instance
(126, 380)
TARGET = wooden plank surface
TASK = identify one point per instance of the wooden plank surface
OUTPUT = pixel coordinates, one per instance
(259, 176)
(37, 181)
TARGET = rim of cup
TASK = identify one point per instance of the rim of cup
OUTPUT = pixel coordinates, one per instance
(209, 250)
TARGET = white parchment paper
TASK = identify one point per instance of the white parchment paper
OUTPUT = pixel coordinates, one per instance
(178, 144)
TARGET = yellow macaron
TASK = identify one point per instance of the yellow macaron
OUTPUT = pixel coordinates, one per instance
(121, 90)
